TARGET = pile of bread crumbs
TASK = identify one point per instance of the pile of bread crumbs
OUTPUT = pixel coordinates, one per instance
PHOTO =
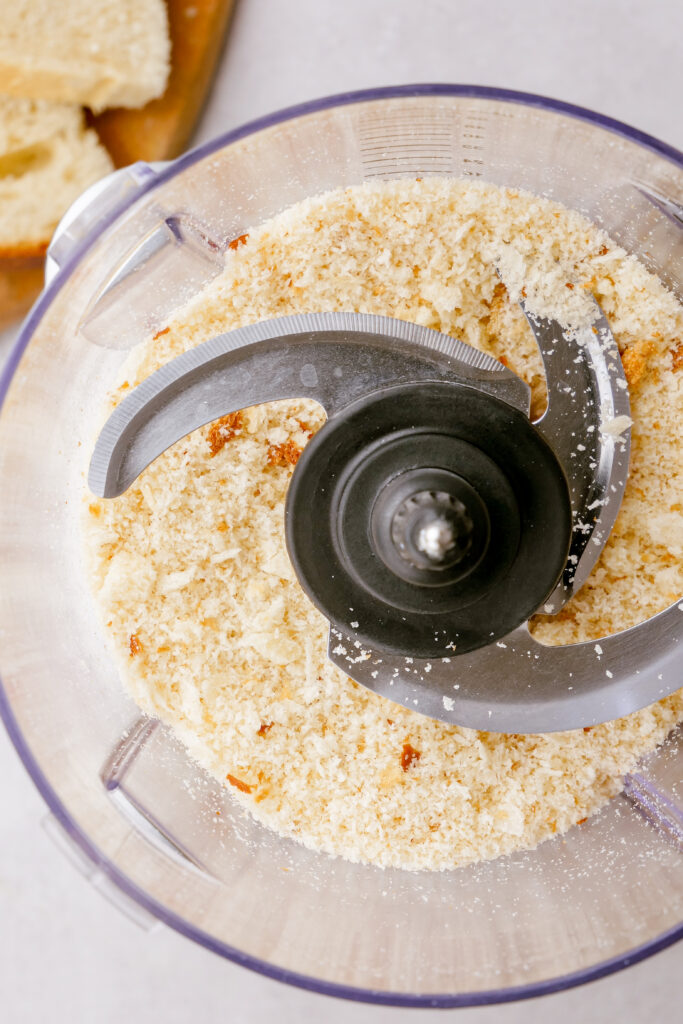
(210, 628)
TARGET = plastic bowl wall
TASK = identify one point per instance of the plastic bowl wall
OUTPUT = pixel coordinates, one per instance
(605, 894)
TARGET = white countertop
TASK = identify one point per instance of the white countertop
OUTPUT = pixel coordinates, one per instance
(65, 953)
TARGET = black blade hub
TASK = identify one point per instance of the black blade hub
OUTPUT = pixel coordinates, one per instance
(428, 519)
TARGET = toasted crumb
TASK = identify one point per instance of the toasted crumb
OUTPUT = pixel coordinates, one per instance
(286, 454)
(237, 242)
(636, 358)
(307, 428)
(223, 430)
(409, 755)
(243, 787)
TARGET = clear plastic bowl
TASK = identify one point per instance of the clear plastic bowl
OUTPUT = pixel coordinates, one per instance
(607, 893)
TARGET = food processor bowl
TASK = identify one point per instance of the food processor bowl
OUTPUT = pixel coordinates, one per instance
(145, 818)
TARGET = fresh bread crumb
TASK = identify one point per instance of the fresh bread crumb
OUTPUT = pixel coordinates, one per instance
(192, 558)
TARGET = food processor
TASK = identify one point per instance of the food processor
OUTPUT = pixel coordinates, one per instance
(152, 826)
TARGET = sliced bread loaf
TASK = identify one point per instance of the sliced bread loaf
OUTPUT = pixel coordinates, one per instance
(47, 158)
(100, 53)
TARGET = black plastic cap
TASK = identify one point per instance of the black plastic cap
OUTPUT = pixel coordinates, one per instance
(376, 475)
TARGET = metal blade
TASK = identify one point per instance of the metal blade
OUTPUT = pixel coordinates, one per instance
(587, 396)
(519, 685)
(334, 358)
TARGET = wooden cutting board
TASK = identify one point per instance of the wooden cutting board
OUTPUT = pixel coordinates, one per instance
(21, 278)
(160, 130)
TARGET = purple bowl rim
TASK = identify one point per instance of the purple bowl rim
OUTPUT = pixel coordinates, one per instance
(57, 808)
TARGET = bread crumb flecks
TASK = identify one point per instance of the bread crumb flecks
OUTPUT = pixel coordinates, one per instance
(193, 554)
(223, 430)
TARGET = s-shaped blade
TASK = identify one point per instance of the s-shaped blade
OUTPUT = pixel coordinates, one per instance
(516, 685)
(334, 358)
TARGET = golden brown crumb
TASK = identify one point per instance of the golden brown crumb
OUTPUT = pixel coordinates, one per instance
(134, 645)
(636, 359)
(408, 755)
(237, 242)
(286, 454)
(222, 431)
(265, 727)
(243, 787)
(677, 357)
(307, 428)
(159, 334)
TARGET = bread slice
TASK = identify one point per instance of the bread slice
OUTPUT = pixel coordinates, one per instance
(47, 158)
(99, 53)
(162, 129)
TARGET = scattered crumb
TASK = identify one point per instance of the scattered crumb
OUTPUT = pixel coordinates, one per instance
(636, 359)
(223, 430)
(237, 242)
(238, 784)
(286, 454)
(409, 755)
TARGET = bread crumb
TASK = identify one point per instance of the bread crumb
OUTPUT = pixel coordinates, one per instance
(635, 359)
(237, 645)
(237, 242)
(616, 426)
(286, 454)
(222, 431)
(409, 755)
(243, 787)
